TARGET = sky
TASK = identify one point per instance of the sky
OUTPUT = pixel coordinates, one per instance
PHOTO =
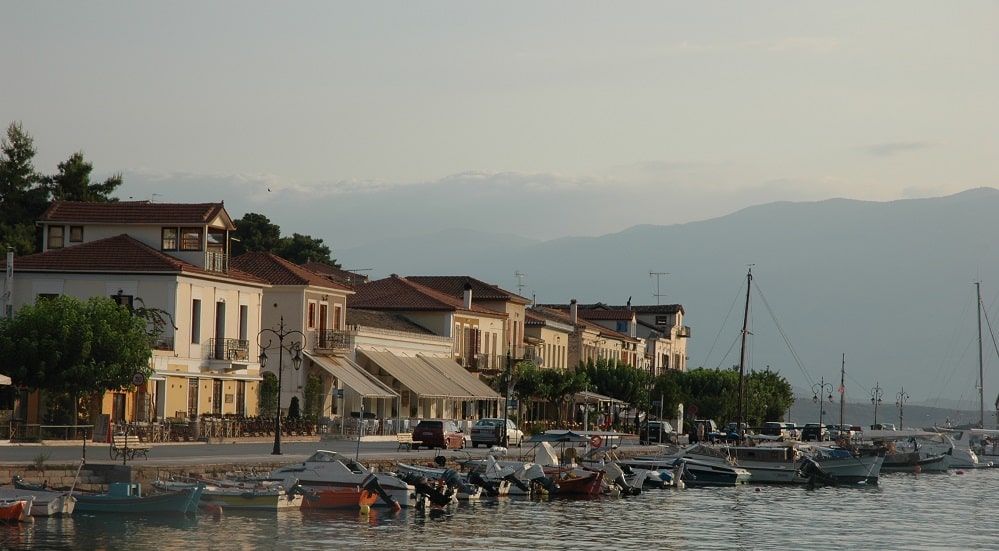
(355, 121)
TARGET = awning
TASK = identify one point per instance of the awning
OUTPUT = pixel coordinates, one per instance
(4, 380)
(353, 376)
(469, 381)
(416, 375)
(594, 398)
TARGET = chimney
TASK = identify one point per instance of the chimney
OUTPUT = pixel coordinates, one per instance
(573, 312)
(468, 297)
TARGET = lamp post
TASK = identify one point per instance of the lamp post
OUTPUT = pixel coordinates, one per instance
(281, 333)
(876, 393)
(821, 388)
(900, 399)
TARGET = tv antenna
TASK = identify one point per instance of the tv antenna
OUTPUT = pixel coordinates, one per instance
(657, 275)
(520, 281)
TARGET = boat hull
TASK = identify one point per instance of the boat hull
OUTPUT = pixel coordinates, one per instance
(45, 504)
(179, 502)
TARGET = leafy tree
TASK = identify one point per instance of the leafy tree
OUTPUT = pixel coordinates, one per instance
(81, 349)
(302, 248)
(255, 233)
(23, 198)
(313, 397)
(72, 183)
(268, 393)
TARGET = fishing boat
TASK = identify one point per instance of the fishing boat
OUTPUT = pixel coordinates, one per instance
(439, 478)
(693, 472)
(239, 495)
(46, 503)
(333, 479)
(825, 465)
(127, 498)
(16, 509)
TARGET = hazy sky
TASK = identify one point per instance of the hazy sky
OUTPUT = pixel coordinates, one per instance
(536, 118)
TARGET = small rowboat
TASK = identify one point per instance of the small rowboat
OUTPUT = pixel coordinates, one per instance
(16, 510)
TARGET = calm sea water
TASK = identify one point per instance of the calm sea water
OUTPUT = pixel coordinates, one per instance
(926, 511)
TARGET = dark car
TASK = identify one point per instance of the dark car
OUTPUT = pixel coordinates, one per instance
(814, 431)
(656, 431)
(438, 433)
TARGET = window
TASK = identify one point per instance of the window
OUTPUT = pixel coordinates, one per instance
(169, 239)
(196, 321)
(76, 234)
(56, 237)
(124, 300)
(312, 315)
(190, 239)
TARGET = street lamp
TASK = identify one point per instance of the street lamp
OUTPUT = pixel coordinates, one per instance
(296, 360)
(876, 393)
(821, 388)
(900, 400)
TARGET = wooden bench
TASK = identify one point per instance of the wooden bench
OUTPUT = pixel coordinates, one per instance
(128, 446)
(405, 439)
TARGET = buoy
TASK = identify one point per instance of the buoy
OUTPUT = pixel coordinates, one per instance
(960, 472)
(758, 489)
(918, 469)
(365, 508)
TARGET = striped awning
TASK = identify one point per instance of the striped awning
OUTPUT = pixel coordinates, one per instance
(353, 376)
(417, 375)
(462, 377)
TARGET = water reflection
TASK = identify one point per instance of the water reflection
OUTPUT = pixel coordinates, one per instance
(905, 511)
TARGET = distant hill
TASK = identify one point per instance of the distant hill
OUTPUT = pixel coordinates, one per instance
(888, 284)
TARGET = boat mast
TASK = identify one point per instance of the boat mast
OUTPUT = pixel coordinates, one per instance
(981, 369)
(742, 357)
(842, 388)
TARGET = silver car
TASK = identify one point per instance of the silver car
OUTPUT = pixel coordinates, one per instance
(488, 431)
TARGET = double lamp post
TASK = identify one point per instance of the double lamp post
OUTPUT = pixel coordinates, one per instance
(294, 348)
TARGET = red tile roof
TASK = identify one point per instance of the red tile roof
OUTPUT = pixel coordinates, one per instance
(117, 254)
(278, 271)
(455, 286)
(398, 293)
(133, 212)
(336, 274)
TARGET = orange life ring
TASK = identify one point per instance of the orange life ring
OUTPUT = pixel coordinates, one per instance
(596, 441)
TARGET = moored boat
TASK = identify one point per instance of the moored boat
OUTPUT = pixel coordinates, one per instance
(239, 495)
(16, 510)
(127, 498)
(45, 503)
(328, 470)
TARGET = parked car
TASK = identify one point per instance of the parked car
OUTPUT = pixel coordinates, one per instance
(814, 431)
(488, 431)
(438, 433)
(656, 431)
(883, 426)
(776, 428)
(792, 429)
(840, 431)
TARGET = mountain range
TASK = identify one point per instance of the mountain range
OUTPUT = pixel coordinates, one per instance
(882, 291)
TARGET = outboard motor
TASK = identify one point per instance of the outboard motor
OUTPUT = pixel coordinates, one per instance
(452, 479)
(371, 484)
(615, 473)
(491, 488)
(538, 478)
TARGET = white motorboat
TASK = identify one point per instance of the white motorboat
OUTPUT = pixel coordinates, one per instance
(328, 470)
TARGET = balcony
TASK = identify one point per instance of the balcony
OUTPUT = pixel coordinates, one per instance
(216, 261)
(229, 350)
(331, 340)
(683, 332)
(161, 343)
